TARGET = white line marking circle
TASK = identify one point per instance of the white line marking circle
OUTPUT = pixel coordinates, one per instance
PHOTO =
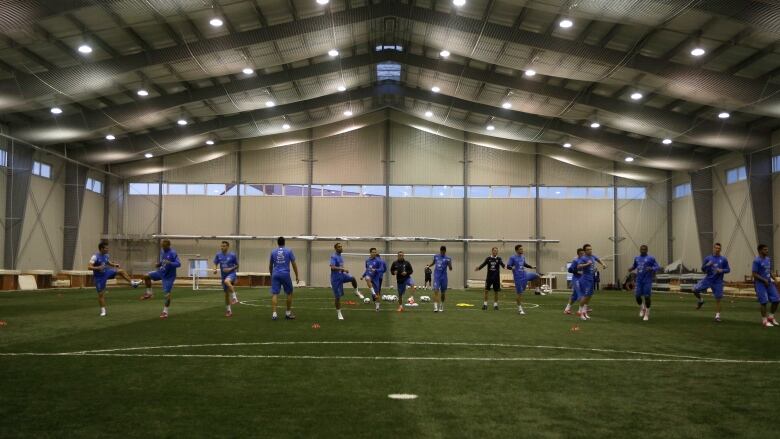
(406, 396)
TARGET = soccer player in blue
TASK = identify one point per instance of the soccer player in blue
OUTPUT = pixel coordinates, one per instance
(103, 270)
(441, 263)
(339, 276)
(166, 272)
(576, 274)
(518, 265)
(766, 291)
(587, 280)
(374, 274)
(645, 266)
(279, 265)
(226, 262)
(714, 267)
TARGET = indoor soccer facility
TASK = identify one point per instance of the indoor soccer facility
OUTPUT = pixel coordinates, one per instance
(431, 218)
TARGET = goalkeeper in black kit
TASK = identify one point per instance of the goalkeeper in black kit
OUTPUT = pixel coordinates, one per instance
(493, 279)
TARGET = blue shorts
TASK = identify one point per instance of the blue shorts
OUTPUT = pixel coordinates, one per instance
(101, 278)
(167, 283)
(402, 286)
(279, 280)
(376, 282)
(586, 287)
(521, 282)
(231, 276)
(440, 284)
(643, 289)
(337, 282)
(715, 286)
(766, 294)
(575, 290)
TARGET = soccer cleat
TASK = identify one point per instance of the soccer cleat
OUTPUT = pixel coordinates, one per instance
(699, 304)
(103, 314)
(642, 311)
(646, 317)
(495, 307)
(484, 307)
(290, 316)
(767, 324)
(147, 296)
(228, 313)
(357, 293)
(163, 315)
(274, 317)
(773, 321)
(717, 318)
(521, 311)
(234, 300)
(587, 317)
(583, 316)
(341, 317)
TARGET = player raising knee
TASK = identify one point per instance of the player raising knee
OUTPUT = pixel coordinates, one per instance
(338, 277)
(374, 274)
(645, 267)
(576, 273)
(103, 270)
(714, 267)
(166, 273)
(226, 262)
(766, 291)
(587, 281)
(402, 270)
(518, 265)
(441, 263)
(279, 266)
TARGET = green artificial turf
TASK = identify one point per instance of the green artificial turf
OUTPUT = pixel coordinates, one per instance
(476, 373)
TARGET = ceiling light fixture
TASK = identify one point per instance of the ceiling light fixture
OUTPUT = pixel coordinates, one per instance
(458, 2)
(490, 127)
(333, 53)
(667, 141)
(530, 73)
(444, 53)
(323, 2)
(247, 71)
(637, 96)
(56, 110)
(629, 159)
(507, 105)
(724, 115)
(286, 126)
(209, 142)
(216, 22)
(429, 113)
(595, 125)
(435, 89)
(181, 122)
(148, 155)
(110, 137)
(143, 93)
(567, 145)
(270, 104)
(348, 113)
(698, 51)
(85, 49)
(341, 88)
(566, 23)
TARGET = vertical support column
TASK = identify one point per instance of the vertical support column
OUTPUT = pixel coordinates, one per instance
(702, 191)
(160, 179)
(466, 235)
(537, 210)
(759, 169)
(108, 187)
(309, 203)
(75, 181)
(237, 228)
(386, 179)
(20, 158)
(669, 218)
(615, 238)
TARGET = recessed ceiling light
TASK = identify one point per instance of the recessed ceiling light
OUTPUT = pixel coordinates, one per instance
(148, 155)
(209, 142)
(143, 93)
(444, 53)
(530, 72)
(341, 88)
(637, 96)
(490, 127)
(595, 125)
(286, 126)
(567, 145)
(333, 52)
(507, 105)
(110, 137)
(458, 2)
(629, 159)
(248, 71)
(348, 113)
(216, 22)
(566, 23)
(181, 122)
(323, 2)
(429, 113)
(698, 51)
(85, 49)
(270, 104)
(667, 141)
(435, 89)
(724, 115)
(56, 110)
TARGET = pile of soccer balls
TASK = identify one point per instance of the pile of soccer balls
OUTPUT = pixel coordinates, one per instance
(389, 297)
(425, 299)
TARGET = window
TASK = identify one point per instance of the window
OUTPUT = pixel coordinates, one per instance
(3, 157)
(196, 189)
(295, 190)
(422, 191)
(632, 193)
(274, 189)
(390, 47)
(775, 163)
(374, 191)
(232, 190)
(95, 186)
(458, 192)
(388, 71)
(175, 189)
(138, 188)
(479, 191)
(215, 190)
(251, 190)
(736, 174)
(580, 193)
(400, 191)
(682, 190)
(599, 193)
(552, 192)
(351, 191)
(41, 169)
(522, 192)
(500, 192)
(331, 190)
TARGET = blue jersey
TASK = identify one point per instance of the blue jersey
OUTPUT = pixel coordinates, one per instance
(645, 267)
(517, 264)
(375, 267)
(281, 258)
(169, 263)
(99, 260)
(711, 265)
(588, 271)
(575, 272)
(441, 265)
(762, 266)
(224, 261)
(336, 261)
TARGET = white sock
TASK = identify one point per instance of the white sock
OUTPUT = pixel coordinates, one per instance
(234, 295)
(103, 309)
(717, 314)
(274, 314)
(377, 305)
(165, 309)
(435, 306)
(149, 291)
(338, 312)
(495, 303)
(568, 307)
(227, 307)
(373, 293)
(357, 290)
(484, 303)
(288, 312)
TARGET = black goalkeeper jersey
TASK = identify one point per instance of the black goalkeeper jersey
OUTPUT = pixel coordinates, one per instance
(493, 264)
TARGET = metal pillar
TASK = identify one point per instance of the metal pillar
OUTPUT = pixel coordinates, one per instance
(615, 238)
(759, 169)
(702, 191)
(386, 179)
(17, 189)
(237, 227)
(537, 209)
(309, 203)
(75, 181)
(466, 235)
(669, 218)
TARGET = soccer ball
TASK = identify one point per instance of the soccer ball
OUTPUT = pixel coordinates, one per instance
(366, 300)
(425, 299)
(393, 298)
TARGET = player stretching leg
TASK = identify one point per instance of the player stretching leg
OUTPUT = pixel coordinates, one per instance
(103, 270)
(575, 282)
(766, 291)
(227, 264)
(714, 266)
(493, 278)
(402, 270)
(587, 281)
(166, 273)
(518, 265)
(374, 274)
(645, 266)
(338, 277)
(441, 263)
(279, 266)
